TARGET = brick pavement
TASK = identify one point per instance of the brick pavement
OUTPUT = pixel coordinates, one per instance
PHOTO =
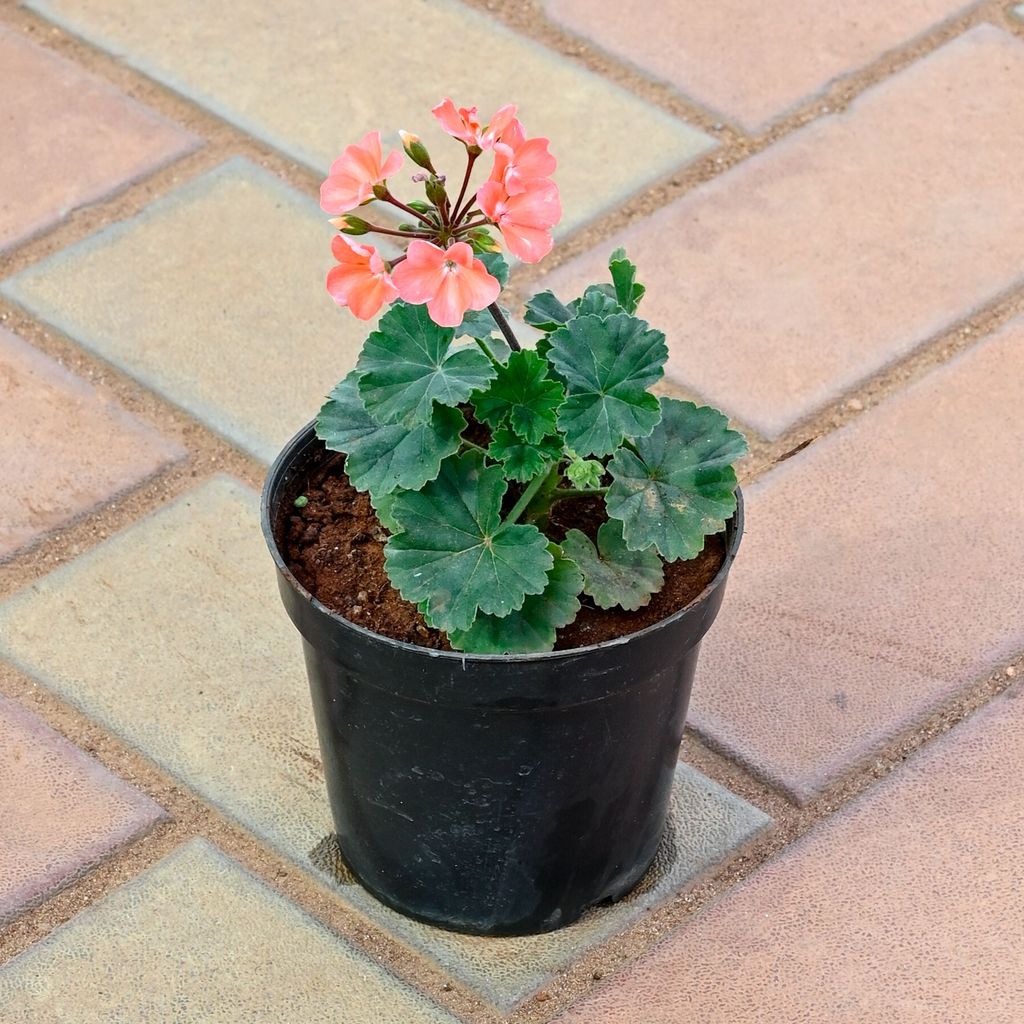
(839, 257)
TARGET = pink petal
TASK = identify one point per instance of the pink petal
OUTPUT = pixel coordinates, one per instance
(530, 244)
(478, 288)
(369, 294)
(391, 165)
(447, 307)
(491, 195)
(537, 205)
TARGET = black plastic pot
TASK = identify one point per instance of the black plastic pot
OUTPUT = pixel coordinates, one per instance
(489, 794)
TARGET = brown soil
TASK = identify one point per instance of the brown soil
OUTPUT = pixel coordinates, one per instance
(335, 547)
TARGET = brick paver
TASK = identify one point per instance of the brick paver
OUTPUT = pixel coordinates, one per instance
(752, 62)
(312, 77)
(810, 266)
(69, 138)
(882, 570)
(198, 938)
(195, 617)
(214, 296)
(707, 825)
(907, 907)
(61, 811)
(64, 447)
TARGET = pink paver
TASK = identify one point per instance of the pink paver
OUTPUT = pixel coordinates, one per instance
(60, 810)
(69, 138)
(881, 572)
(752, 61)
(64, 447)
(905, 908)
(804, 270)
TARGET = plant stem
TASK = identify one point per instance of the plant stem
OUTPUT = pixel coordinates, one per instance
(576, 492)
(389, 198)
(531, 489)
(482, 222)
(470, 160)
(474, 447)
(487, 352)
(400, 234)
(503, 326)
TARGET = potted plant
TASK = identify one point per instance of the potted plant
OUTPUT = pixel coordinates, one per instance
(501, 560)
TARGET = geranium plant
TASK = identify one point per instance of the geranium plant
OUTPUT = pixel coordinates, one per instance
(465, 440)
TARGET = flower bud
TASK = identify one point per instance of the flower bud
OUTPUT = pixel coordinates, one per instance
(481, 241)
(435, 190)
(380, 190)
(349, 225)
(415, 149)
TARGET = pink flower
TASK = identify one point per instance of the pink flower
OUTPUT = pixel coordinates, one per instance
(517, 159)
(360, 281)
(463, 124)
(448, 282)
(353, 175)
(524, 219)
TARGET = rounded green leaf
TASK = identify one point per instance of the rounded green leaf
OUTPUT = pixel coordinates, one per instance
(521, 396)
(456, 554)
(532, 628)
(408, 364)
(383, 457)
(519, 460)
(612, 574)
(545, 312)
(608, 365)
(680, 486)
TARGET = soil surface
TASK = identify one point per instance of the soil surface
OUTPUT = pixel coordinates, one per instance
(335, 547)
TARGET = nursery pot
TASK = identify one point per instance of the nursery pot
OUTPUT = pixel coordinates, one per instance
(498, 795)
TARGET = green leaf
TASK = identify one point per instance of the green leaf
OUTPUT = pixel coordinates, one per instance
(382, 506)
(455, 552)
(612, 574)
(598, 299)
(628, 291)
(521, 460)
(585, 474)
(380, 458)
(608, 365)
(532, 628)
(522, 396)
(681, 486)
(496, 266)
(406, 365)
(478, 323)
(546, 312)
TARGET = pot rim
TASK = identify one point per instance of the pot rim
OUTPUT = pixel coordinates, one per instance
(307, 434)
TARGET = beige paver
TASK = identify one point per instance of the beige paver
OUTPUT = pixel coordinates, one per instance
(214, 296)
(64, 447)
(69, 138)
(312, 77)
(197, 938)
(882, 571)
(807, 268)
(907, 907)
(752, 62)
(191, 659)
(61, 811)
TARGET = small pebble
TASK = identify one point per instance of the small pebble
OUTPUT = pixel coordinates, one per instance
(855, 404)
(362, 597)
(597, 975)
(446, 987)
(543, 997)
(357, 609)
(718, 126)
(1010, 671)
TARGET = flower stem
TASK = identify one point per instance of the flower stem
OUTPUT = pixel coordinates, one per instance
(470, 160)
(482, 222)
(531, 489)
(389, 198)
(503, 326)
(487, 352)
(400, 234)
(474, 447)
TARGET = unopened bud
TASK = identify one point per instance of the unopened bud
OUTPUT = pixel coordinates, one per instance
(435, 190)
(350, 225)
(481, 241)
(415, 149)
(418, 205)
(380, 190)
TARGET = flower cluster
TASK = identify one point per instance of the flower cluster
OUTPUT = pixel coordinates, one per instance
(441, 266)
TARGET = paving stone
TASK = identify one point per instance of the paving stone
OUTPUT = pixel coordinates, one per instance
(753, 62)
(237, 67)
(707, 825)
(208, 681)
(906, 907)
(807, 268)
(198, 938)
(213, 296)
(64, 448)
(881, 572)
(62, 812)
(71, 138)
